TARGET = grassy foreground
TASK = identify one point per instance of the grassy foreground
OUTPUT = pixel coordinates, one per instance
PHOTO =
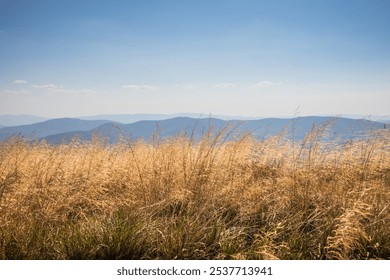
(185, 199)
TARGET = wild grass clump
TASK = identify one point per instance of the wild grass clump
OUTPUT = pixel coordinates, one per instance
(181, 198)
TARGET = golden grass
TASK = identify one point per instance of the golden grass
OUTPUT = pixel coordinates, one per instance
(184, 199)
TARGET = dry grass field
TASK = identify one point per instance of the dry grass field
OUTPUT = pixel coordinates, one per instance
(179, 198)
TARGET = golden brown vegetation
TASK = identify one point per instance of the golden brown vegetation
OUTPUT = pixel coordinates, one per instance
(185, 199)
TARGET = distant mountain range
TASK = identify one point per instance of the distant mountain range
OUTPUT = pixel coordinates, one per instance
(50, 127)
(132, 118)
(16, 120)
(63, 130)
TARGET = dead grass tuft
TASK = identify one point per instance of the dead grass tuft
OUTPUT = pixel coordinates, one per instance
(185, 198)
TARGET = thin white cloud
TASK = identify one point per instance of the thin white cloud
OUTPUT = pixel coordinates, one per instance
(141, 87)
(225, 85)
(14, 92)
(52, 89)
(189, 87)
(86, 91)
(265, 84)
(20, 82)
(186, 86)
(48, 86)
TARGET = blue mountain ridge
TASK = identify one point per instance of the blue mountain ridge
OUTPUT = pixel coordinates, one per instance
(49, 127)
(295, 128)
(63, 130)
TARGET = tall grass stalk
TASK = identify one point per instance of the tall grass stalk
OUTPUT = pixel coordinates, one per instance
(186, 198)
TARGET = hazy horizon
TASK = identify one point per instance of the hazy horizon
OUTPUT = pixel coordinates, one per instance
(238, 58)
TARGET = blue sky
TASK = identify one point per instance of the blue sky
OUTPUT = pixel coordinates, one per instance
(234, 57)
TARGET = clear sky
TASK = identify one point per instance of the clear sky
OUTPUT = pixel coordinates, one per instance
(234, 57)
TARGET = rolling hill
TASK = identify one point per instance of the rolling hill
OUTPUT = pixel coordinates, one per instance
(295, 128)
(65, 129)
(16, 120)
(132, 118)
(50, 127)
